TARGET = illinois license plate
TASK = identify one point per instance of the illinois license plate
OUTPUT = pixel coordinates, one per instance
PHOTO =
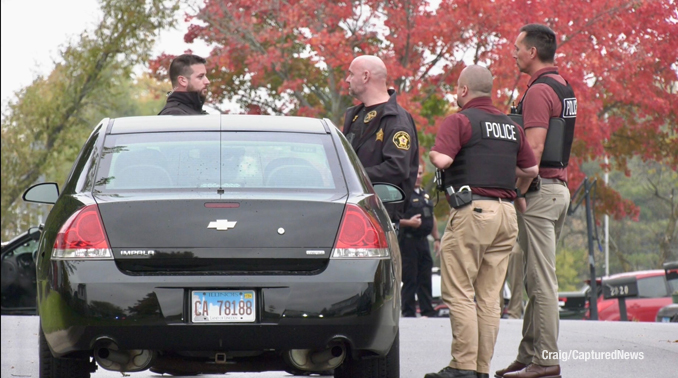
(223, 306)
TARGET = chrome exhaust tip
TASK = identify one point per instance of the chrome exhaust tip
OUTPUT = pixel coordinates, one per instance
(317, 360)
(110, 357)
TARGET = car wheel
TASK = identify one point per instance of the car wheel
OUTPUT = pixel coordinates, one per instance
(52, 367)
(383, 367)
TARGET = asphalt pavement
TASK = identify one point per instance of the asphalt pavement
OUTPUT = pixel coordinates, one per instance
(592, 349)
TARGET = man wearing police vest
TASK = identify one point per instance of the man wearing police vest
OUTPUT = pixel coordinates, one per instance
(482, 152)
(548, 101)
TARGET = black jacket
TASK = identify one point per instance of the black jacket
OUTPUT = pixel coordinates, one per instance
(421, 204)
(388, 149)
(183, 103)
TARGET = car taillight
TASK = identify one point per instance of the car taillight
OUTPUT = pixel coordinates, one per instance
(82, 237)
(360, 236)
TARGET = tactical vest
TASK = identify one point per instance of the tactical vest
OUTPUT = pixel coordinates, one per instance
(558, 140)
(419, 204)
(489, 158)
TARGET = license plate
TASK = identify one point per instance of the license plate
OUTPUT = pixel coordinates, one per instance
(223, 306)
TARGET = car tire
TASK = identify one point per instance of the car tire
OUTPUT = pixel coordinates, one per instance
(382, 367)
(52, 367)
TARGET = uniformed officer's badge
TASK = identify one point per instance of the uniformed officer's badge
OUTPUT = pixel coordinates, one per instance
(370, 116)
(402, 140)
(354, 118)
(380, 135)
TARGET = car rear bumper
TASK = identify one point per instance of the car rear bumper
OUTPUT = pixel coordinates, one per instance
(351, 300)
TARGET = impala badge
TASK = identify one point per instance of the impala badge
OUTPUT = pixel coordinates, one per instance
(222, 225)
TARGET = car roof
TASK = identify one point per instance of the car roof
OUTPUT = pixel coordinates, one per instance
(217, 122)
(640, 273)
(637, 274)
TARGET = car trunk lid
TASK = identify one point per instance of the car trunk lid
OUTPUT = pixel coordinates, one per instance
(222, 236)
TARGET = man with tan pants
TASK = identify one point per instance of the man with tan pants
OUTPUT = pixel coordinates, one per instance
(548, 97)
(481, 152)
(515, 277)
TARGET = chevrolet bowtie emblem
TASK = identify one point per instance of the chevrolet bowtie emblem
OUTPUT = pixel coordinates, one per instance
(222, 224)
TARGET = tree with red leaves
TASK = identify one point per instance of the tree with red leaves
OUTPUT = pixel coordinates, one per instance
(290, 57)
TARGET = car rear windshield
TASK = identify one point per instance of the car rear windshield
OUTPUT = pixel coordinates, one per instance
(214, 160)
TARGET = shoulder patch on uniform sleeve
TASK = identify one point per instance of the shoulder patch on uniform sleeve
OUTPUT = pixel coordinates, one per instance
(402, 140)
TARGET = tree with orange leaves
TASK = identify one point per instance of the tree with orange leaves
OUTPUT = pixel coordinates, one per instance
(290, 57)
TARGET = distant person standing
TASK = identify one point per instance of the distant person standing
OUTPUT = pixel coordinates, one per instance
(482, 152)
(416, 225)
(548, 96)
(189, 86)
(380, 131)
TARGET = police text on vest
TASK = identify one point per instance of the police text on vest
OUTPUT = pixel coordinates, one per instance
(496, 130)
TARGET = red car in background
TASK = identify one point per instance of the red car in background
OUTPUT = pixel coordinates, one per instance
(654, 292)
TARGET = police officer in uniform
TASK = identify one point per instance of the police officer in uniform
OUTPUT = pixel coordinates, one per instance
(482, 152)
(415, 226)
(548, 97)
(381, 132)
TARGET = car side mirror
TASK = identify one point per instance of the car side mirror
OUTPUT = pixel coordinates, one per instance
(34, 233)
(46, 192)
(389, 193)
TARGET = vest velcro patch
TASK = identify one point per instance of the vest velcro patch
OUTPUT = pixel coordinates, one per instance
(499, 131)
(570, 107)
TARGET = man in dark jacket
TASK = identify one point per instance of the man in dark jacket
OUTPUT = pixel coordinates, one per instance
(380, 131)
(189, 86)
(382, 134)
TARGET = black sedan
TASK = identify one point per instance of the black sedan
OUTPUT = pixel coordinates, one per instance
(214, 244)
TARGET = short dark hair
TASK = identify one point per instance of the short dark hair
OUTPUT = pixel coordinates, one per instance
(181, 66)
(543, 38)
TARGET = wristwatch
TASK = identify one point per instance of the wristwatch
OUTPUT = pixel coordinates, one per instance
(519, 194)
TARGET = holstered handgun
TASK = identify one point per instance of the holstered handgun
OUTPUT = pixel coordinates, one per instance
(459, 199)
(535, 185)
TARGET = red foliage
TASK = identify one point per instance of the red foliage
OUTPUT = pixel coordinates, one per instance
(620, 57)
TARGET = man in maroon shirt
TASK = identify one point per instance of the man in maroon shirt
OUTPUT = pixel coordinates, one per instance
(479, 147)
(548, 96)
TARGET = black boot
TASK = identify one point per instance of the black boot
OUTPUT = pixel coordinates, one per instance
(449, 372)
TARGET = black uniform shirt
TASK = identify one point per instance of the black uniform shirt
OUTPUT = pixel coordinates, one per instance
(388, 147)
(421, 204)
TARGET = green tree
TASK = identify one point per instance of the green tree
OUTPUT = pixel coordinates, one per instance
(44, 126)
(643, 242)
